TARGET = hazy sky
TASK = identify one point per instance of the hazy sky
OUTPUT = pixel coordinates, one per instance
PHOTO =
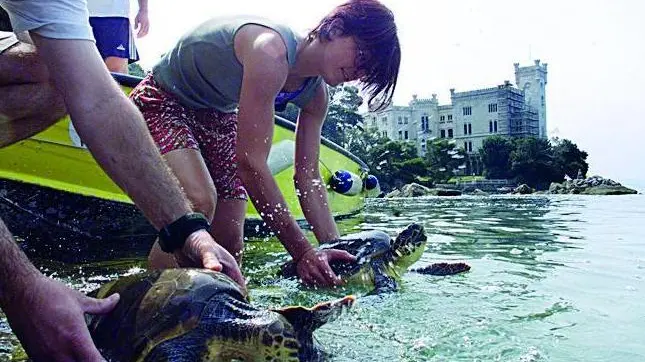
(594, 49)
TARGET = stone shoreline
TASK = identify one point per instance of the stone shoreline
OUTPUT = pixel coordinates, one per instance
(594, 185)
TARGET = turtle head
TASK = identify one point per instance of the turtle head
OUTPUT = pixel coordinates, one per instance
(408, 247)
(306, 320)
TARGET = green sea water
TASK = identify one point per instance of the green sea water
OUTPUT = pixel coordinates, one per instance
(553, 278)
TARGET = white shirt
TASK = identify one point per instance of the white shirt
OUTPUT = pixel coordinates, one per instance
(105, 8)
(57, 19)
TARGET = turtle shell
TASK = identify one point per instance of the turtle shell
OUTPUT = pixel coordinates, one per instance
(178, 311)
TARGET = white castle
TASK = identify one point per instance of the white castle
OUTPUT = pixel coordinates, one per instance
(514, 111)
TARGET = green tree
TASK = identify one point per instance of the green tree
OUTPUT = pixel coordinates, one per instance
(443, 157)
(410, 170)
(393, 162)
(360, 142)
(495, 155)
(136, 70)
(532, 162)
(569, 158)
(290, 112)
(342, 113)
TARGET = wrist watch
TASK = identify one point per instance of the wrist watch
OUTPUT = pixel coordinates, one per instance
(173, 236)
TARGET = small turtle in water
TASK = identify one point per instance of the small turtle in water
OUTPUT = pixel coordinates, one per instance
(381, 260)
(184, 315)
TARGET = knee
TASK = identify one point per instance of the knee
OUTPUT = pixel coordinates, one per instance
(54, 102)
(204, 202)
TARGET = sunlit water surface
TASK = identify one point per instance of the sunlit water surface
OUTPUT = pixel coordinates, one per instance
(552, 279)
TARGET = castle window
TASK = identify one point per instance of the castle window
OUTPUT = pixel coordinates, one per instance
(400, 135)
(405, 120)
(425, 123)
(466, 146)
(465, 129)
(442, 118)
(450, 117)
(495, 124)
(443, 133)
(470, 128)
(400, 120)
(470, 146)
(405, 135)
(492, 108)
(490, 126)
(450, 133)
(467, 111)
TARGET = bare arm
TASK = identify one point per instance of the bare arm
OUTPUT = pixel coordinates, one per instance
(15, 268)
(141, 21)
(264, 59)
(112, 128)
(45, 315)
(313, 194)
(265, 72)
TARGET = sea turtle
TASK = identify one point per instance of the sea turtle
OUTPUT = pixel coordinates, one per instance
(381, 260)
(183, 315)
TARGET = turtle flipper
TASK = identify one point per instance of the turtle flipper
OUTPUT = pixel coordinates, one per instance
(443, 269)
(306, 320)
(310, 319)
(383, 283)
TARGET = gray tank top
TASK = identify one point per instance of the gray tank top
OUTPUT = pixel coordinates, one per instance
(203, 71)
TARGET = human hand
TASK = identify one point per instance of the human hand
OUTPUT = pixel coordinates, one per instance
(141, 24)
(48, 319)
(200, 250)
(313, 267)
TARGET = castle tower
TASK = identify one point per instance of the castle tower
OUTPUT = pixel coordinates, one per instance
(532, 80)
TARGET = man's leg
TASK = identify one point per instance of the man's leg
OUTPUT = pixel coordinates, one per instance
(188, 165)
(117, 65)
(227, 227)
(28, 102)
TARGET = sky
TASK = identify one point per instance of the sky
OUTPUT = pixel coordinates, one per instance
(594, 50)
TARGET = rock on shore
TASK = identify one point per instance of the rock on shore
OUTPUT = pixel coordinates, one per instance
(415, 190)
(594, 185)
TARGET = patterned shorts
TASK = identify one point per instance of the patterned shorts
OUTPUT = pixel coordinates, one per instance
(211, 132)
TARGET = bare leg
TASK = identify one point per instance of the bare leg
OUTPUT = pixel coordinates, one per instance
(228, 226)
(22, 64)
(28, 102)
(194, 178)
(117, 65)
(27, 109)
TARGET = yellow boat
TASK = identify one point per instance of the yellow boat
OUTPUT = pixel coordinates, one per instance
(51, 188)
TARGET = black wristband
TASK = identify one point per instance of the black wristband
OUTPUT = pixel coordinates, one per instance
(173, 236)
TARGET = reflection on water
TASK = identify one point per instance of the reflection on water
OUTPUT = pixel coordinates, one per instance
(552, 279)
